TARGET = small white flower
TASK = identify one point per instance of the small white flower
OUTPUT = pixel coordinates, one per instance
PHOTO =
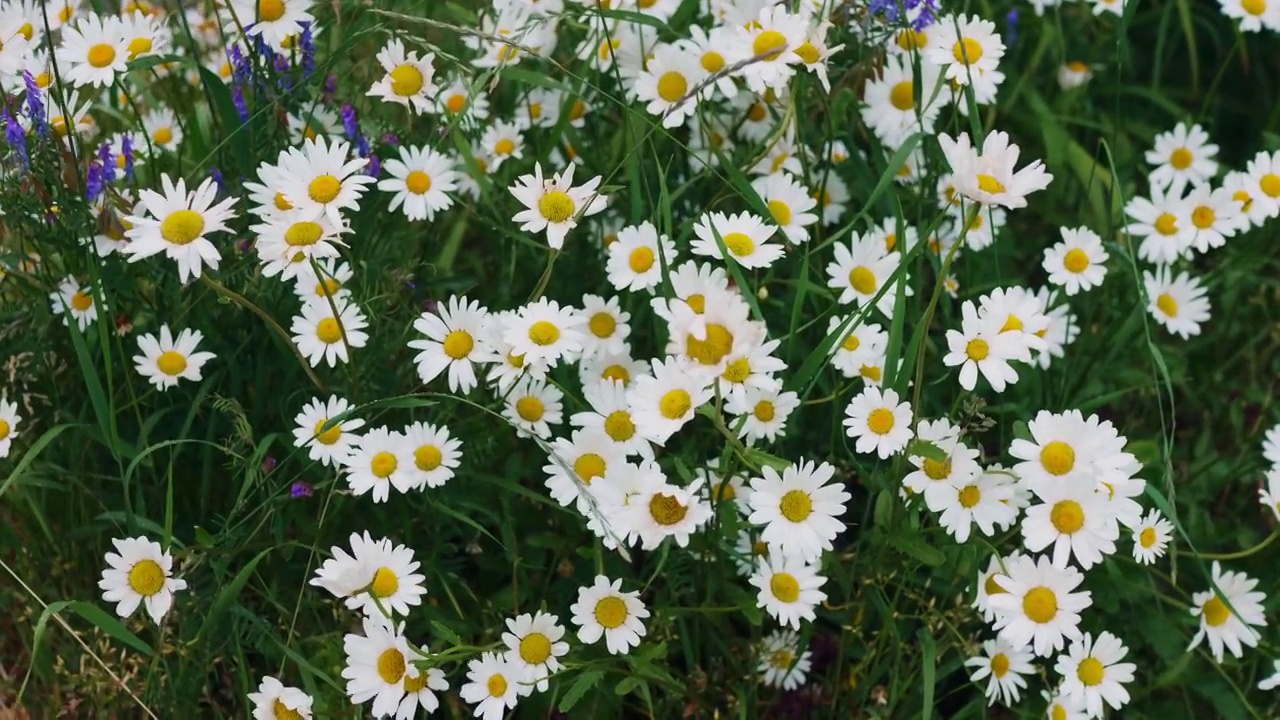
(554, 204)
(988, 177)
(879, 422)
(1078, 262)
(166, 360)
(140, 573)
(603, 610)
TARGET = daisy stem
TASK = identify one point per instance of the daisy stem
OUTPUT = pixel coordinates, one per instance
(244, 302)
(933, 305)
(1241, 554)
(546, 276)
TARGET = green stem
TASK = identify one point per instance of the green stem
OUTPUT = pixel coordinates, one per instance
(243, 302)
(1241, 554)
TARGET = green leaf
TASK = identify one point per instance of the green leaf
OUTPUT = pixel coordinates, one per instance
(762, 458)
(584, 683)
(33, 452)
(627, 685)
(94, 614)
(446, 633)
(929, 657)
(228, 595)
(927, 450)
(916, 548)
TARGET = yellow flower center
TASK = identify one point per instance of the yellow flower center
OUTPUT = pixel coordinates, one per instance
(756, 112)
(427, 458)
(391, 666)
(1057, 458)
(782, 659)
(988, 184)
(611, 612)
(1076, 260)
(1166, 224)
(1076, 66)
(281, 202)
(796, 505)
(383, 464)
(171, 363)
(880, 421)
(417, 182)
(282, 712)
(737, 371)
(505, 146)
(327, 437)
(712, 61)
(764, 411)
(530, 408)
(1270, 184)
(911, 40)
(870, 372)
(617, 373)
(146, 577)
(863, 280)
(182, 226)
(781, 212)
(1067, 516)
(1181, 158)
(675, 404)
(1167, 304)
(27, 31)
(740, 244)
(937, 469)
(769, 44)
(328, 331)
(411, 685)
(496, 685)
(324, 189)
(666, 510)
(385, 583)
(535, 110)
(1040, 605)
(81, 301)
(456, 103)
(970, 496)
(966, 51)
(1215, 612)
(302, 234)
(1000, 665)
(977, 349)
(162, 136)
(516, 361)
(101, 55)
(1203, 217)
(991, 586)
(619, 427)
(1090, 671)
(556, 206)
(718, 343)
(1147, 538)
(543, 333)
(4, 429)
(578, 110)
(902, 96)
(602, 325)
(270, 10)
(641, 259)
(139, 46)
(785, 587)
(672, 86)
(808, 53)
(535, 648)
(589, 467)
(407, 80)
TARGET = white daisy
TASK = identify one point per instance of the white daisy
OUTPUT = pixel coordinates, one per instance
(166, 360)
(1076, 520)
(611, 414)
(665, 85)
(421, 181)
(1092, 672)
(980, 347)
(985, 500)
(544, 330)
(140, 573)
(275, 21)
(663, 402)
(1039, 605)
(436, 454)
(879, 422)
(454, 340)
(763, 413)
(1214, 217)
(607, 326)
(603, 610)
(1177, 303)
(177, 223)
(323, 336)
(377, 578)
(377, 663)
(799, 510)
(328, 443)
(74, 302)
(788, 588)
(379, 460)
(782, 664)
(534, 642)
(745, 237)
(789, 204)
(635, 260)
(1151, 536)
(1183, 156)
(576, 462)
(319, 179)
(554, 204)
(1078, 262)
(1232, 626)
(9, 420)
(276, 701)
(1003, 666)
(988, 177)
(532, 407)
(861, 270)
(93, 51)
(408, 78)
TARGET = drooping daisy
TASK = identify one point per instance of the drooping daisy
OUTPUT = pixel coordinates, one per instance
(377, 662)
(799, 510)
(324, 336)
(553, 204)
(533, 406)
(328, 443)
(276, 701)
(861, 270)
(1178, 303)
(534, 642)
(9, 420)
(1039, 605)
(1092, 672)
(166, 360)
(1003, 666)
(177, 223)
(1150, 537)
(1076, 520)
(93, 52)
(878, 421)
(604, 610)
(789, 204)
(1078, 262)
(1228, 627)
(139, 572)
(788, 588)
(663, 402)
(320, 178)
(408, 78)
(379, 460)
(745, 237)
(635, 260)
(454, 340)
(782, 664)
(74, 302)
(436, 454)
(377, 578)
(667, 83)
(1183, 156)
(420, 181)
(988, 177)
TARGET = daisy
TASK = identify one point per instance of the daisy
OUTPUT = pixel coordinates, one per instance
(788, 588)
(1039, 606)
(436, 454)
(663, 402)
(275, 21)
(376, 578)
(988, 584)
(1163, 223)
(330, 282)
(773, 38)
(377, 662)
(667, 82)
(782, 664)
(1271, 445)
(163, 129)
(1063, 707)
(952, 466)
(714, 51)
(988, 177)
(177, 223)
(985, 500)
(1078, 262)
(421, 181)
(287, 243)
(744, 236)
(1177, 303)
(834, 199)
(1273, 682)
(420, 688)
(1233, 625)
(458, 99)
(532, 407)
(890, 108)
(1076, 520)
(501, 141)
(317, 120)
(495, 683)
(1264, 173)
(980, 347)
(603, 610)
(1183, 156)
(578, 461)
(968, 49)
(1254, 15)
(506, 366)
(328, 443)
(861, 343)
(9, 420)
(611, 414)
(323, 335)
(167, 359)
(454, 340)
(655, 510)
(1074, 74)
(139, 573)
(541, 108)
(94, 51)
(607, 326)
(694, 283)
(318, 179)
(815, 53)
(799, 510)
(635, 260)
(1092, 672)
(74, 302)
(275, 701)
(544, 330)
(710, 338)
(861, 271)
(1003, 665)
(1215, 215)
(534, 642)
(765, 413)
(379, 460)
(789, 204)
(408, 78)
(878, 422)
(1150, 537)
(554, 204)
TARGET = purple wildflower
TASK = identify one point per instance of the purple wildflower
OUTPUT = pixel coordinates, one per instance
(389, 138)
(375, 166)
(349, 125)
(218, 178)
(1011, 30)
(94, 182)
(126, 149)
(308, 45)
(300, 489)
(237, 99)
(330, 86)
(35, 106)
(108, 162)
(15, 137)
